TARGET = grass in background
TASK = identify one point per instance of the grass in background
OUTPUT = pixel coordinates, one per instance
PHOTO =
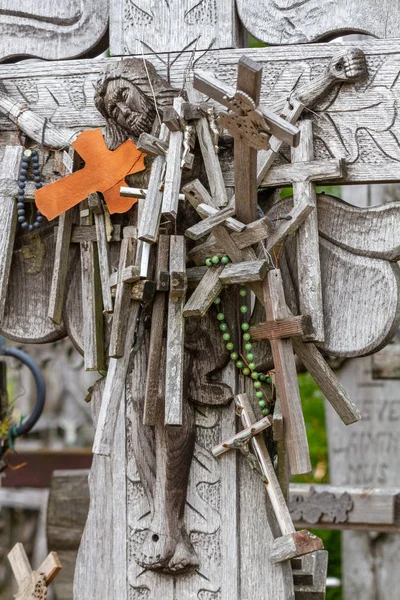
(314, 415)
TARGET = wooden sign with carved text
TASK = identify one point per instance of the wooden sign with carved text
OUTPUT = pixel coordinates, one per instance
(358, 123)
(51, 30)
(293, 22)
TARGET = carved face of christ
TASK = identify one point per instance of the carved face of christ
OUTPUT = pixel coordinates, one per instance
(128, 106)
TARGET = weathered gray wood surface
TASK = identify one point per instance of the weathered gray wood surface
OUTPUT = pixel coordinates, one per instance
(147, 26)
(372, 311)
(50, 30)
(101, 569)
(366, 138)
(288, 22)
(367, 455)
(10, 167)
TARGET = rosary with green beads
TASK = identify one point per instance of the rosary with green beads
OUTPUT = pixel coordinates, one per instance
(246, 367)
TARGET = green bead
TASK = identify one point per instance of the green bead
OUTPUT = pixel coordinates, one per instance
(268, 380)
(240, 364)
(226, 337)
(245, 326)
(217, 300)
(248, 347)
(246, 372)
(215, 260)
(225, 260)
(257, 385)
(230, 346)
(262, 377)
(221, 317)
(223, 327)
(234, 356)
(209, 262)
(262, 403)
(243, 292)
(250, 357)
(244, 309)
(252, 366)
(254, 375)
(265, 412)
(246, 337)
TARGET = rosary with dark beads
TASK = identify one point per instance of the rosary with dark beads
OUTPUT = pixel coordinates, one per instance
(248, 368)
(27, 157)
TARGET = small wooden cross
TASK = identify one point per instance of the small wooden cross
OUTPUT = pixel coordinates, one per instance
(251, 126)
(32, 585)
(290, 543)
(303, 174)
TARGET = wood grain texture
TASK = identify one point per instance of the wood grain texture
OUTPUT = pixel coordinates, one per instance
(103, 547)
(286, 378)
(206, 211)
(148, 26)
(96, 204)
(203, 228)
(368, 509)
(308, 261)
(291, 23)
(366, 139)
(8, 218)
(155, 367)
(173, 173)
(57, 292)
(210, 156)
(369, 231)
(151, 213)
(52, 32)
(204, 295)
(244, 272)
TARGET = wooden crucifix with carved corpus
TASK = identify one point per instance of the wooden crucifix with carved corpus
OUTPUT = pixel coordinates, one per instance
(251, 126)
(292, 543)
(32, 585)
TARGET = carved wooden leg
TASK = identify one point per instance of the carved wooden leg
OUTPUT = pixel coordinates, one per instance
(167, 546)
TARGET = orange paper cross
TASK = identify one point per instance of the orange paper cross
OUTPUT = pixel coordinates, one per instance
(104, 172)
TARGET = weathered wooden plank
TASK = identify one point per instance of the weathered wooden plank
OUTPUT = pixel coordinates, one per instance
(295, 218)
(96, 205)
(52, 32)
(175, 332)
(244, 272)
(149, 144)
(173, 173)
(204, 295)
(162, 263)
(57, 292)
(369, 232)
(285, 328)
(210, 155)
(330, 385)
(19, 564)
(123, 294)
(92, 304)
(174, 362)
(291, 23)
(204, 227)
(286, 378)
(308, 261)
(155, 368)
(154, 27)
(206, 211)
(291, 69)
(129, 274)
(114, 389)
(345, 507)
(87, 233)
(10, 166)
(196, 194)
(283, 470)
(151, 213)
(295, 172)
(50, 567)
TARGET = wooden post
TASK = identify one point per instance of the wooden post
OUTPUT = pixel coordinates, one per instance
(175, 332)
(10, 168)
(173, 174)
(97, 206)
(91, 299)
(286, 378)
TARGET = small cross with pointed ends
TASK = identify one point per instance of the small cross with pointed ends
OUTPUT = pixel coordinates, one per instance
(32, 584)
